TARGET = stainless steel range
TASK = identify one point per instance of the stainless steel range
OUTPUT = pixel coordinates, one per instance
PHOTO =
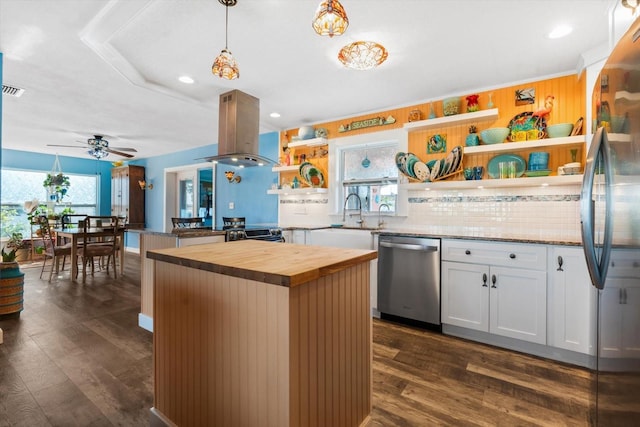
(251, 233)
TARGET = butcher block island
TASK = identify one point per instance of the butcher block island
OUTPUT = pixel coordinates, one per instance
(252, 333)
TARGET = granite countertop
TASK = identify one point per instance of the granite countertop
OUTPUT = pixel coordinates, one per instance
(412, 232)
(183, 233)
(274, 263)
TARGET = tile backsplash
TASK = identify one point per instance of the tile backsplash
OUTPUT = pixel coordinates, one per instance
(536, 213)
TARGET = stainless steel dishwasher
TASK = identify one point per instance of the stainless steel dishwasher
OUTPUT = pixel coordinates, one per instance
(409, 277)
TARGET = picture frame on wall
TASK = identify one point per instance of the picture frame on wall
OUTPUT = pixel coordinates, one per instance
(525, 96)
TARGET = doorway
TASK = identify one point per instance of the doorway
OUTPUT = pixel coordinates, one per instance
(190, 192)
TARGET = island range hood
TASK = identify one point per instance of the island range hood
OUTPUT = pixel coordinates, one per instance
(238, 131)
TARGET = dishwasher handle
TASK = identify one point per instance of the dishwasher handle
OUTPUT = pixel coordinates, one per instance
(409, 246)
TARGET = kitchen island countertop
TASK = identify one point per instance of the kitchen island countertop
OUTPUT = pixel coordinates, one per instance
(275, 263)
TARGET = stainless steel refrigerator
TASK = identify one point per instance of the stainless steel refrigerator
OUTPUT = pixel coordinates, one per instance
(610, 214)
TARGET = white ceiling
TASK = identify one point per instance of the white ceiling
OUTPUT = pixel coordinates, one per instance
(111, 66)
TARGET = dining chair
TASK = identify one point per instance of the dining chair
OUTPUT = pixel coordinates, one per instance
(52, 250)
(104, 246)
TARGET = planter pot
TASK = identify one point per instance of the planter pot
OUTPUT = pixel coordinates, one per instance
(11, 289)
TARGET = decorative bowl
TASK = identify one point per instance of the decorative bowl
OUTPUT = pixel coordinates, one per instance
(559, 130)
(307, 132)
(494, 135)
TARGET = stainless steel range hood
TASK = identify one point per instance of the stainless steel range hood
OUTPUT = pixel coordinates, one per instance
(238, 131)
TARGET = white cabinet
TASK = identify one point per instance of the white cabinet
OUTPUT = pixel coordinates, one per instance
(299, 236)
(495, 287)
(619, 307)
(572, 301)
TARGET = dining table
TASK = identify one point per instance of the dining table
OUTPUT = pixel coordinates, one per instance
(75, 234)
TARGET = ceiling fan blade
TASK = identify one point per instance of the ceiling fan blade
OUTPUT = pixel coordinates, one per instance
(58, 145)
(133, 150)
(119, 153)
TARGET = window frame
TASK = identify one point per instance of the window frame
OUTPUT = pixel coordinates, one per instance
(336, 200)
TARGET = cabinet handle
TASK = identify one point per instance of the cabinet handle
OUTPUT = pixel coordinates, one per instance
(613, 264)
(560, 262)
(484, 280)
(467, 252)
(512, 256)
(635, 264)
(620, 297)
(493, 281)
(624, 292)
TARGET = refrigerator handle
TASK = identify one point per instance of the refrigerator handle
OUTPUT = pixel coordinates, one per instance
(597, 269)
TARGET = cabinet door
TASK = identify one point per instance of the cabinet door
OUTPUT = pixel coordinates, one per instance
(572, 301)
(116, 192)
(299, 237)
(518, 304)
(465, 295)
(619, 308)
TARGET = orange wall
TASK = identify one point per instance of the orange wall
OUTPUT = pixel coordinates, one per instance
(569, 105)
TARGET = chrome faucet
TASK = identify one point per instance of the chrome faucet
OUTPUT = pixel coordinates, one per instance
(344, 210)
(380, 222)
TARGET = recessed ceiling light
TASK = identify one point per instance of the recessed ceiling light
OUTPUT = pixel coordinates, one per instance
(274, 115)
(560, 31)
(186, 79)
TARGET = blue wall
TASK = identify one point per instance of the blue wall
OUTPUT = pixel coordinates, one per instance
(249, 196)
(14, 159)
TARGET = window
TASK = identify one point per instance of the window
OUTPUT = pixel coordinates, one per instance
(370, 172)
(19, 186)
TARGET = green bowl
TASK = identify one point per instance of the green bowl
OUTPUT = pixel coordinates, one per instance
(494, 135)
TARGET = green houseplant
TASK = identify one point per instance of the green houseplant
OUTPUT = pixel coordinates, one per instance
(57, 185)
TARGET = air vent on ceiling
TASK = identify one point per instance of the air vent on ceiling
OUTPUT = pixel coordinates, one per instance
(12, 90)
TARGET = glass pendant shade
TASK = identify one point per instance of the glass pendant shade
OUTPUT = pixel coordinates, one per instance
(362, 55)
(98, 153)
(225, 66)
(330, 19)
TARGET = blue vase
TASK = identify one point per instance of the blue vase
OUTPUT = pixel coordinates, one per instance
(471, 140)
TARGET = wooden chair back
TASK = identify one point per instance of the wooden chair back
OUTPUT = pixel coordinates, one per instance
(187, 222)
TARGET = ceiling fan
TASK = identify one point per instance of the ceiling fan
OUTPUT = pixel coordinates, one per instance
(98, 147)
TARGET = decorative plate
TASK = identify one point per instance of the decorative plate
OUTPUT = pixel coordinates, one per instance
(543, 172)
(311, 175)
(421, 171)
(401, 160)
(493, 169)
(435, 170)
(526, 121)
(412, 159)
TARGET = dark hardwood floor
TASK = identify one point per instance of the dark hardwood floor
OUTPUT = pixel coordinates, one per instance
(76, 357)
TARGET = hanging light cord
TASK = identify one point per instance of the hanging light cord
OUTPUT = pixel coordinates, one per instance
(226, 27)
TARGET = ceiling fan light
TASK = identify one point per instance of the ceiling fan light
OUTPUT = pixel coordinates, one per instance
(225, 66)
(98, 153)
(330, 19)
(363, 55)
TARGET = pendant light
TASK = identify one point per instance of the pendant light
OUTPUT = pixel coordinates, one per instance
(363, 55)
(225, 65)
(330, 19)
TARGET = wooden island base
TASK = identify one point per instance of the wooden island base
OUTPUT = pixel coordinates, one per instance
(233, 351)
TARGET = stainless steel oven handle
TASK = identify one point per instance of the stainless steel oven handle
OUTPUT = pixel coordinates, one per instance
(409, 246)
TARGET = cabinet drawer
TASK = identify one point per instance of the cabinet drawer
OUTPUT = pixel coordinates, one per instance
(624, 263)
(518, 255)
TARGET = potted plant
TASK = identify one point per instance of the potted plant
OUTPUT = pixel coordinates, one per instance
(57, 185)
(19, 246)
(11, 284)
